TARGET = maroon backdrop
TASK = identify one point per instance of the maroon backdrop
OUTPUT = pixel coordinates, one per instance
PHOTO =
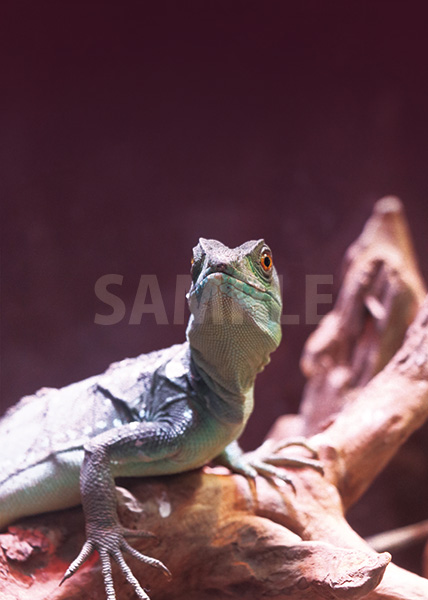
(129, 130)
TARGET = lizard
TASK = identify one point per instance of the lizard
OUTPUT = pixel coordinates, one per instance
(164, 412)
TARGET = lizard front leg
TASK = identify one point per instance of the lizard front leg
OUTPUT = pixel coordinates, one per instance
(129, 448)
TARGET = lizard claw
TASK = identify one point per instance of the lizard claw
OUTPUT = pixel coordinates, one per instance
(148, 560)
(264, 461)
(112, 546)
(298, 441)
(84, 554)
(269, 451)
(264, 468)
(291, 461)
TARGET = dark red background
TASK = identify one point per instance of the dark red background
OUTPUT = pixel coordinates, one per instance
(131, 129)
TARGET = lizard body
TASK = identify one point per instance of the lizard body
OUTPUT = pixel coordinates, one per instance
(164, 412)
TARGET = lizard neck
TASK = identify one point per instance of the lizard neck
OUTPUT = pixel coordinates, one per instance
(229, 401)
(228, 358)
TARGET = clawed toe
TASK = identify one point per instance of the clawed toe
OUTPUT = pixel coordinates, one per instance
(263, 468)
(292, 461)
(300, 441)
(148, 560)
(84, 554)
(114, 551)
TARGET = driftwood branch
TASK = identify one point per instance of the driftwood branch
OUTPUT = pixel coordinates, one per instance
(381, 293)
(399, 538)
(370, 429)
(224, 536)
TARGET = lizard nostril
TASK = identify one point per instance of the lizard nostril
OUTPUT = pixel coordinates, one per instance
(221, 267)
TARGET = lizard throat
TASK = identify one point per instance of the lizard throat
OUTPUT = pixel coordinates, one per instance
(232, 330)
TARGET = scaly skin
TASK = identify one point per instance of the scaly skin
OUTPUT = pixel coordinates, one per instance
(165, 412)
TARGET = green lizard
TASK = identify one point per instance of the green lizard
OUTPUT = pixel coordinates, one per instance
(165, 412)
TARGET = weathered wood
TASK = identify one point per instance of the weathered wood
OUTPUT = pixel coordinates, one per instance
(381, 293)
(371, 428)
(400, 538)
(224, 536)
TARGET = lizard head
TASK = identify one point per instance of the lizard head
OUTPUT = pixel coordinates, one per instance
(235, 302)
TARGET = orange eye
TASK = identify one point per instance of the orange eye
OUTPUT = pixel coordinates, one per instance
(266, 262)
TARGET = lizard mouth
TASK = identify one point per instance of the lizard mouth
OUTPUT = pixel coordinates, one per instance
(249, 288)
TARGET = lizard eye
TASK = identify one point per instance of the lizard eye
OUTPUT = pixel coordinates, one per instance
(266, 261)
(195, 267)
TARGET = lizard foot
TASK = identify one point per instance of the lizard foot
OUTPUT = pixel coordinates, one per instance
(110, 545)
(265, 461)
